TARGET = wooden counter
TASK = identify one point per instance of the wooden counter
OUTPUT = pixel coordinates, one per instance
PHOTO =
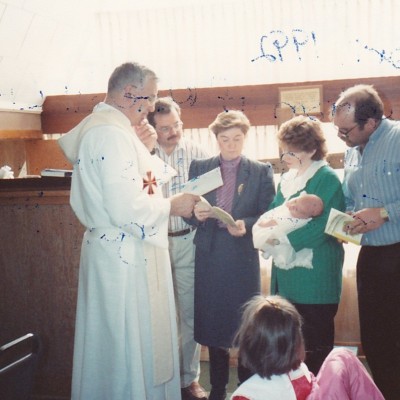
(40, 240)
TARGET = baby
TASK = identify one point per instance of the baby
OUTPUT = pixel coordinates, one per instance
(270, 231)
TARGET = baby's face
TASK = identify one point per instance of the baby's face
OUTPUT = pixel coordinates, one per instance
(300, 207)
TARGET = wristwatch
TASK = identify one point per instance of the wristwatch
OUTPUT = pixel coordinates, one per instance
(384, 214)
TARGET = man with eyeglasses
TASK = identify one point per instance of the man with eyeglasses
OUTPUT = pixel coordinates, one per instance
(178, 152)
(372, 190)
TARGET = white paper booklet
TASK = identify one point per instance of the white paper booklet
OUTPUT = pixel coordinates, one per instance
(204, 183)
(334, 227)
(219, 213)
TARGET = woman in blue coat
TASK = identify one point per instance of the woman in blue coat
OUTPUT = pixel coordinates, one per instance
(227, 270)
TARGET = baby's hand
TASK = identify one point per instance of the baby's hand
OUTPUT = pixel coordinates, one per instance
(265, 223)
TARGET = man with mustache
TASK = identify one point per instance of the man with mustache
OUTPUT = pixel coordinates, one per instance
(178, 152)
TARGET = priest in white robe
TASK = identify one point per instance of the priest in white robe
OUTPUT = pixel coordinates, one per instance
(125, 335)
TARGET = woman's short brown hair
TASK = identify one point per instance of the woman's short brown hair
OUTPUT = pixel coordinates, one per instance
(270, 340)
(230, 119)
(303, 134)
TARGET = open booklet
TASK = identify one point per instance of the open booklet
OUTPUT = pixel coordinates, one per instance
(219, 213)
(204, 183)
(334, 227)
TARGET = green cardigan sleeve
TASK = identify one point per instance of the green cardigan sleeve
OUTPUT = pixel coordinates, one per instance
(325, 184)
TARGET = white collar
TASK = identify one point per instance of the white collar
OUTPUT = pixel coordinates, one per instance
(292, 184)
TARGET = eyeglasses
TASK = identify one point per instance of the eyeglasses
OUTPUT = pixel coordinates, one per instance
(151, 98)
(166, 129)
(345, 132)
(290, 153)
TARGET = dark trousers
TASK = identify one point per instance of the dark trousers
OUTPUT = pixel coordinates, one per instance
(318, 332)
(378, 285)
(219, 372)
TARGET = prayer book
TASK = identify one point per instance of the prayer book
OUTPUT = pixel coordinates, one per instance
(334, 227)
(219, 213)
(204, 183)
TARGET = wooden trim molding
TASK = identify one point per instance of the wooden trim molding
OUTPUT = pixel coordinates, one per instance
(201, 105)
(21, 134)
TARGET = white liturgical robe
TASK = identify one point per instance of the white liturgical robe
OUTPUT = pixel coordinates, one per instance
(126, 336)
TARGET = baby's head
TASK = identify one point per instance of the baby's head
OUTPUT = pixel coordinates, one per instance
(270, 340)
(305, 206)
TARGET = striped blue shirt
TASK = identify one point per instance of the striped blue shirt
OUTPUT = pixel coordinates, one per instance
(180, 159)
(372, 179)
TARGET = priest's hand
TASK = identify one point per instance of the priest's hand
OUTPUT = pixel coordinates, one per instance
(182, 204)
(146, 133)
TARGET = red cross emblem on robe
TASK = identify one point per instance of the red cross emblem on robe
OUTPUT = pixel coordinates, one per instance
(149, 182)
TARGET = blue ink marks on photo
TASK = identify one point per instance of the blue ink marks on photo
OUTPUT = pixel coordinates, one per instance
(154, 230)
(228, 98)
(296, 42)
(300, 109)
(191, 98)
(272, 44)
(176, 186)
(93, 160)
(194, 179)
(142, 230)
(314, 39)
(165, 168)
(372, 198)
(384, 56)
(278, 40)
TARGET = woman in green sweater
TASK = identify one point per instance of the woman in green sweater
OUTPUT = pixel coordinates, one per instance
(315, 292)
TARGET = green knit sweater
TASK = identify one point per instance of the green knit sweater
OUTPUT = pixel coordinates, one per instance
(323, 283)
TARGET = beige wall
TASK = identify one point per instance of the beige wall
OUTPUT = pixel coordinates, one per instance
(19, 120)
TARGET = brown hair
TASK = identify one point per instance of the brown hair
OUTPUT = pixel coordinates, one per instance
(230, 119)
(304, 134)
(366, 102)
(270, 340)
(163, 106)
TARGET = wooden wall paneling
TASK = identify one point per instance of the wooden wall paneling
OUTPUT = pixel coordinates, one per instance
(347, 326)
(39, 261)
(41, 154)
(20, 134)
(12, 153)
(61, 113)
(201, 105)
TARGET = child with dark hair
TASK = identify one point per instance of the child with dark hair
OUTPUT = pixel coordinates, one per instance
(271, 345)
